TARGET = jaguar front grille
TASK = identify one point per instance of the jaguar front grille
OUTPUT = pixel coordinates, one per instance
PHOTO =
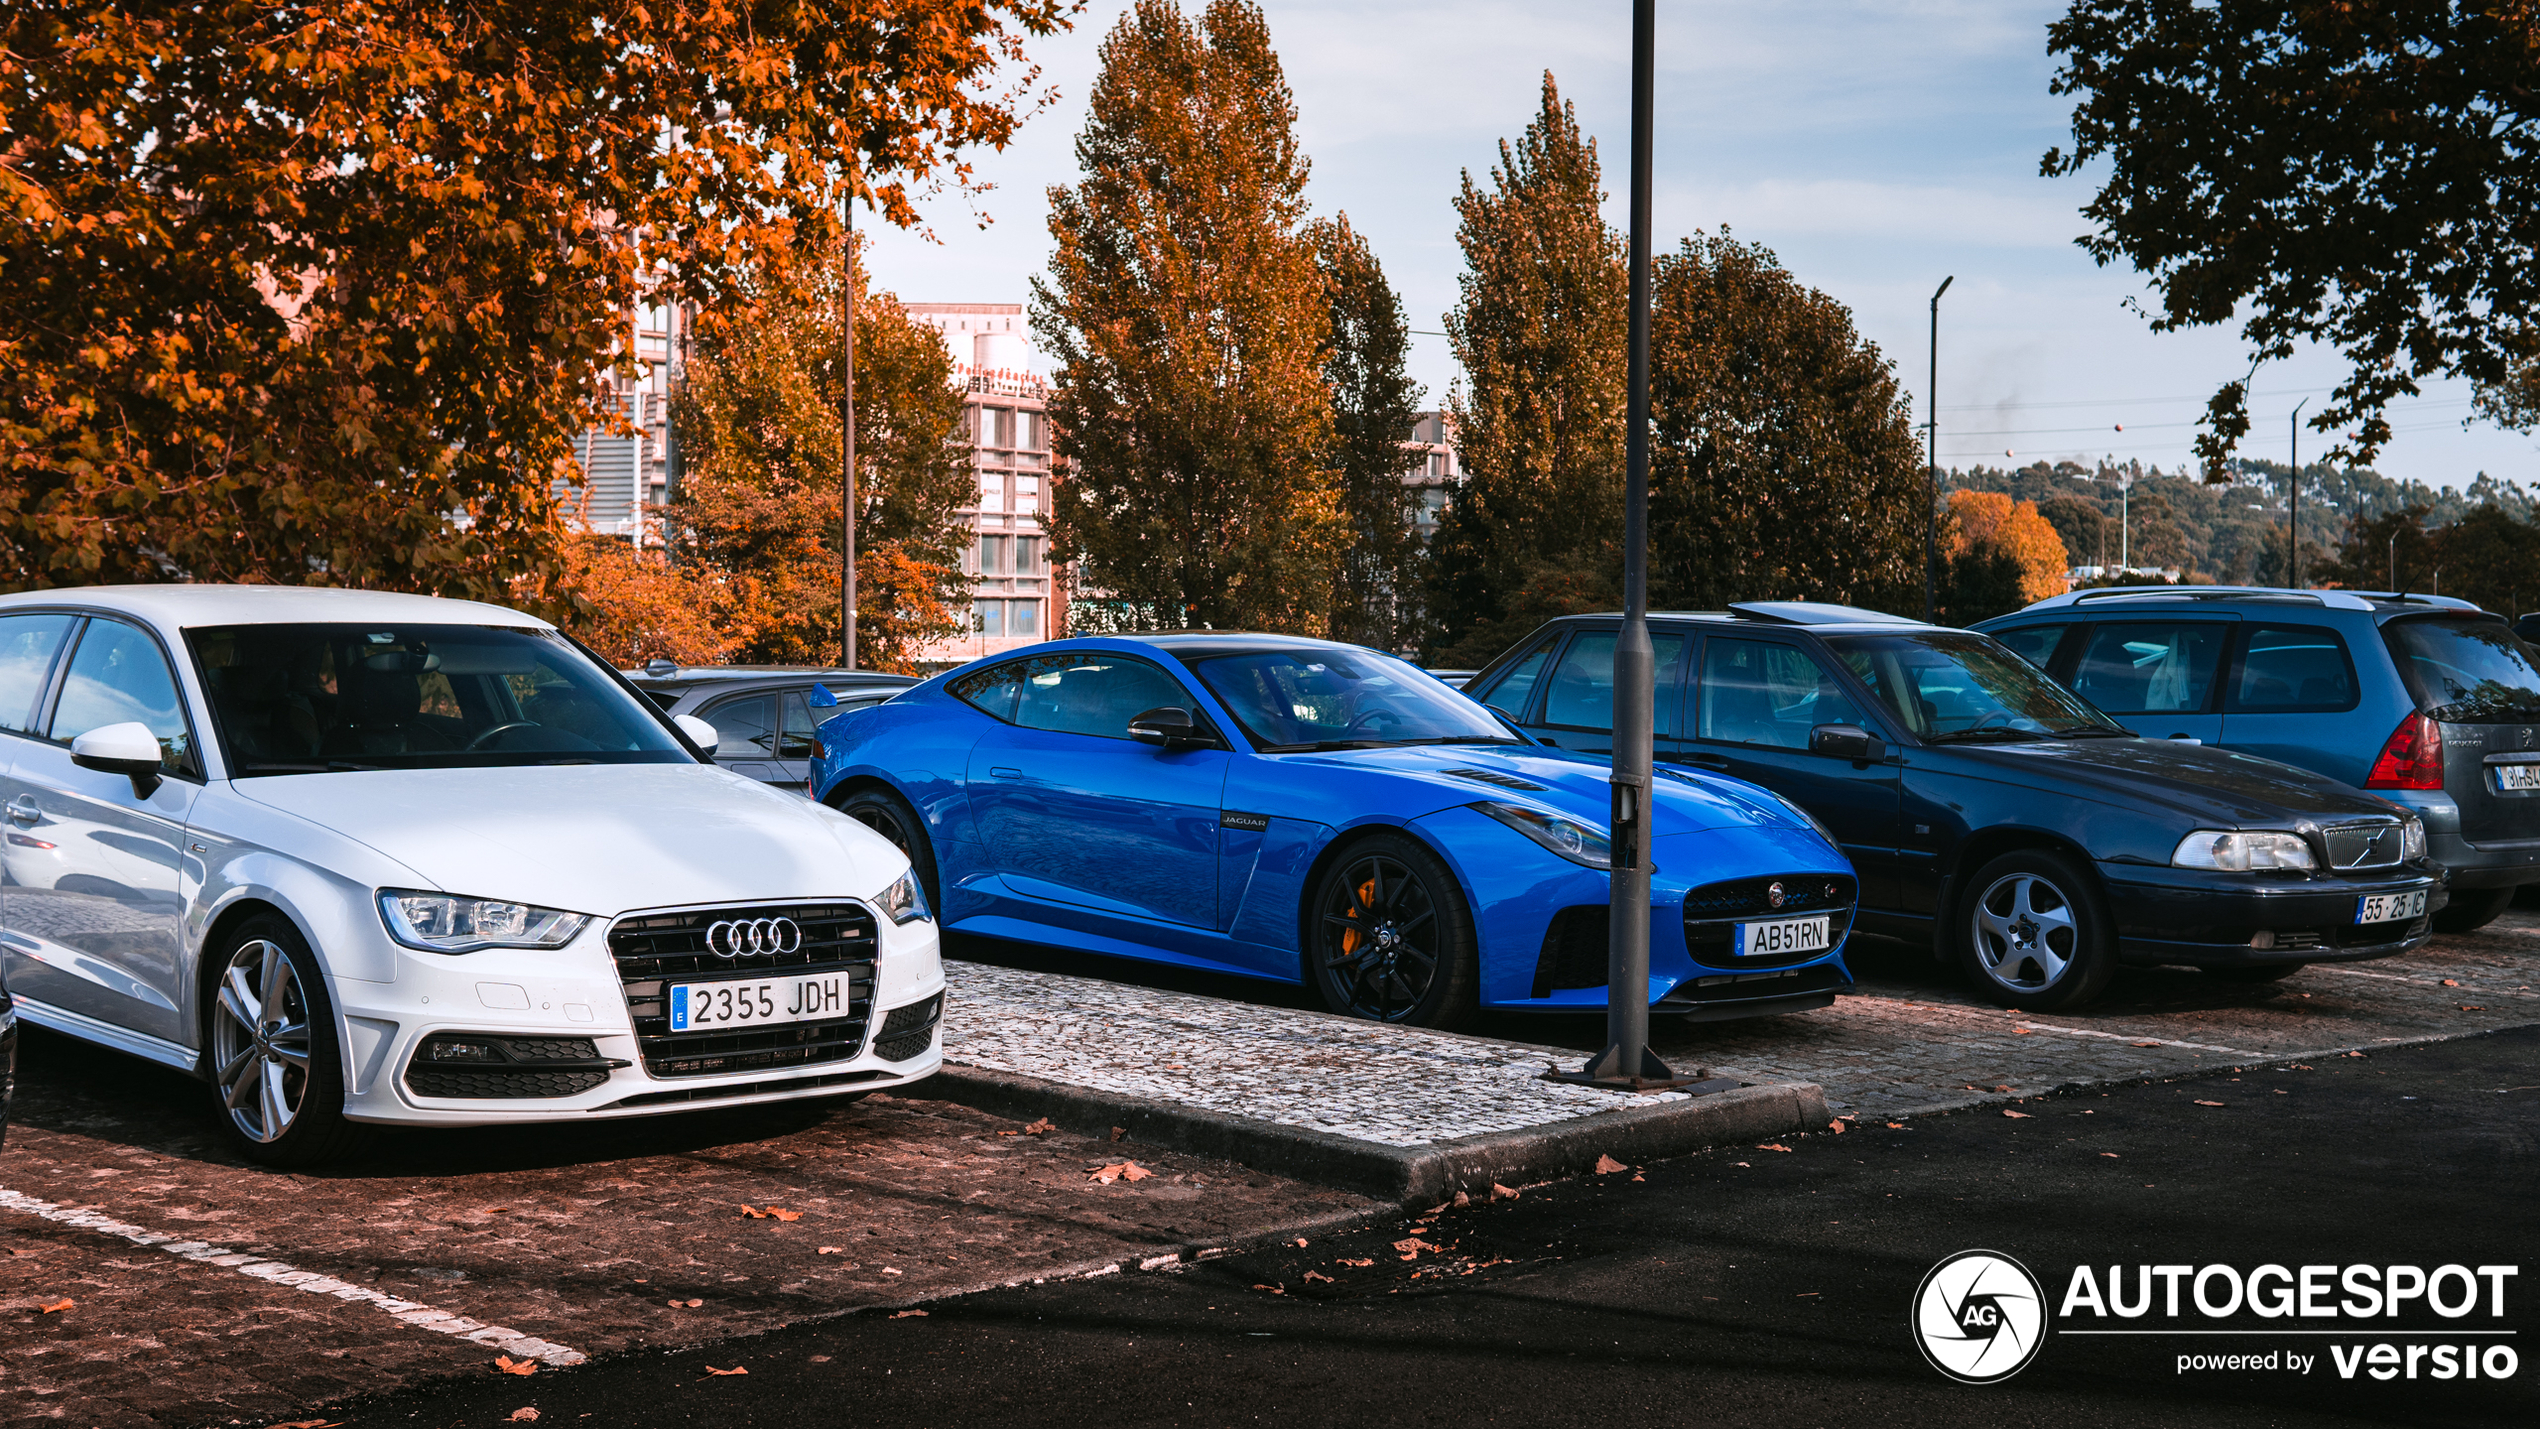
(1713, 911)
(655, 951)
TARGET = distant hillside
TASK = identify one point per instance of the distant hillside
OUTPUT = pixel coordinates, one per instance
(2229, 535)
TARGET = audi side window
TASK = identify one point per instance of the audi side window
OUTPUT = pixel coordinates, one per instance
(28, 644)
(118, 676)
(2290, 668)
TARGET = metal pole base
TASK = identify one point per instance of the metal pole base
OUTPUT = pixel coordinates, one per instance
(1606, 1071)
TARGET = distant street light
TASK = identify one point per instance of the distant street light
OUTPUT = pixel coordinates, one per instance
(2293, 559)
(1931, 428)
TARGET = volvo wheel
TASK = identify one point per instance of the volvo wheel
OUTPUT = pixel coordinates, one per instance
(2034, 933)
(275, 1062)
(1389, 936)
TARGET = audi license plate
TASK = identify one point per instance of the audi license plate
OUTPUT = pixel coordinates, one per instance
(1790, 935)
(2389, 907)
(2518, 778)
(698, 1005)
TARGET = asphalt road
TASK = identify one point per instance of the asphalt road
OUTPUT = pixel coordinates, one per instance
(1742, 1286)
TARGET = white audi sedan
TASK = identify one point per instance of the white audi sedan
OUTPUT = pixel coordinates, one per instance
(359, 858)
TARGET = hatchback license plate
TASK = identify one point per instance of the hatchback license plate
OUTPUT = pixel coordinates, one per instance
(2389, 907)
(2518, 778)
(698, 1005)
(1790, 935)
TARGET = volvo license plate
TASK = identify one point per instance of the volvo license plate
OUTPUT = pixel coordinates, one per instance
(2518, 778)
(2389, 907)
(1789, 935)
(695, 1006)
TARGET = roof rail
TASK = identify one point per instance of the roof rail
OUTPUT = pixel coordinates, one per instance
(1812, 612)
(2446, 602)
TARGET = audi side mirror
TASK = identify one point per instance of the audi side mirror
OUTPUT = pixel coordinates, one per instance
(822, 699)
(699, 733)
(1847, 741)
(1168, 726)
(129, 749)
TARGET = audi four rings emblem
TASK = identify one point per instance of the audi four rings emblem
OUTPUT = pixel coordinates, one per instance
(751, 937)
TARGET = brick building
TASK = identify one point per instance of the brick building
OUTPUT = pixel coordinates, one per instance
(1016, 598)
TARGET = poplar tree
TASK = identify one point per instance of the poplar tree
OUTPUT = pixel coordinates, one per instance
(1783, 464)
(1375, 404)
(1535, 528)
(1187, 319)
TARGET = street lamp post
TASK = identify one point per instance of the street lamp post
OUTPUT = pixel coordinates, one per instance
(2293, 553)
(1626, 1063)
(2394, 561)
(1931, 454)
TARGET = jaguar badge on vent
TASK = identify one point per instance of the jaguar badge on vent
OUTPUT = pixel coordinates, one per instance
(1773, 895)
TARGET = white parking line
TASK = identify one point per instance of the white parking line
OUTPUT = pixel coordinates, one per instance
(1978, 1014)
(2427, 982)
(410, 1312)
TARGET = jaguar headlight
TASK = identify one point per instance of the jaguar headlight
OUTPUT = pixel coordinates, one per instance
(1813, 822)
(2235, 852)
(446, 923)
(1570, 839)
(904, 900)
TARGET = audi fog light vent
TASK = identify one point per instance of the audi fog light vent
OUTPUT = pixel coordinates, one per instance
(447, 923)
(2235, 852)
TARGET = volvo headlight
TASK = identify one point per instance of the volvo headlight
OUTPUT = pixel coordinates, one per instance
(445, 923)
(2236, 852)
(1570, 839)
(905, 900)
(2411, 840)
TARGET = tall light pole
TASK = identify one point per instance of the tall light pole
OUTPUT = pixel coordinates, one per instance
(1931, 429)
(2293, 555)
(1627, 1064)
(846, 422)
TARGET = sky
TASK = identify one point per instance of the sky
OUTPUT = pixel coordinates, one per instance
(1876, 148)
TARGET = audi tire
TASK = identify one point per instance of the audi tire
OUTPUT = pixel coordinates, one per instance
(276, 1062)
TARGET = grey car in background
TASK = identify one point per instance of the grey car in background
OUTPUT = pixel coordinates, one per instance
(763, 715)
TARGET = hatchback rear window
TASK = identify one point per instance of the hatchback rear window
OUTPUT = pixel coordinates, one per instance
(2467, 671)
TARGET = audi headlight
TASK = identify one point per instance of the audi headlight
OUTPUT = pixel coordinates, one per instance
(1570, 839)
(2411, 840)
(905, 900)
(444, 923)
(2235, 852)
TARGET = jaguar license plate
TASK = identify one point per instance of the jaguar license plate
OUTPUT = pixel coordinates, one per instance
(2518, 778)
(1789, 935)
(2389, 907)
(695, 1006)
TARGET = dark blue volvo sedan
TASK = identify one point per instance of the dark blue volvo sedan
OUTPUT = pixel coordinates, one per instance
(1992, 811)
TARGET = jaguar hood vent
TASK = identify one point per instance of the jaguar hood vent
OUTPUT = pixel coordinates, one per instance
(1493, 776)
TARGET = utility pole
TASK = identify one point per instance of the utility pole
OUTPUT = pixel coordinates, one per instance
(1627, 1064)
(846, 422)
(2293, 556)
(1931, 431)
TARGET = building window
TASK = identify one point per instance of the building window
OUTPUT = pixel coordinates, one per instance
(1023, 617)
(996, 427)
(1027, 556)
(991, 617)
(992, 490)
(992, 555)
(1028, 488)
(1035, 431)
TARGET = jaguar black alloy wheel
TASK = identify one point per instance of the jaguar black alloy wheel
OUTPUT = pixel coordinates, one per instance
(1390, 938)
(889, 815)
(274, 1062)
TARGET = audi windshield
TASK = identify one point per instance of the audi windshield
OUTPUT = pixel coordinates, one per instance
(308, 699)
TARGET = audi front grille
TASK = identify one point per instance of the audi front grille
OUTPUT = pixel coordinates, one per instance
(657, 950)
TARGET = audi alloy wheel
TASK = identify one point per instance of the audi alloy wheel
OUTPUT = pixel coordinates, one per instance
(274, 1060)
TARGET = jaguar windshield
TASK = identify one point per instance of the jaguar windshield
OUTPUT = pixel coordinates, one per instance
(1949, 687)
(309, 699)
(1290, 701)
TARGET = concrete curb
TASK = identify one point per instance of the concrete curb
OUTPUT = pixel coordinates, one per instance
(1408, 1175)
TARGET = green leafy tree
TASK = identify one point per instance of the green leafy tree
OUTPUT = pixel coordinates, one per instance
(322, 293)
(1188, 321)
(2363, 174)
(1784, 465)
(1375, 597)
(1535, 528)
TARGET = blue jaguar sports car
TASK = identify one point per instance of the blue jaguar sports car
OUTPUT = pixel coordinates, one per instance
(1306, 811)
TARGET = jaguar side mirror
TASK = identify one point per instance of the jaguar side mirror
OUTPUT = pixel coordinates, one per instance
(1847, 741)
(1168, 726)
(700, 733)
(129, 749)
(822, 699)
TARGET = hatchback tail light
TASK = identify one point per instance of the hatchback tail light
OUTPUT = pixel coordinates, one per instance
(2413, 757)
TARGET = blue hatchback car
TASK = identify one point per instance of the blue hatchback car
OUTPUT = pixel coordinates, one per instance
(2428, 702)
(1321, 813)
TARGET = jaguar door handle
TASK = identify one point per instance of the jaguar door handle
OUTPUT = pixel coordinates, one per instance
(999, 772)
(23, 811)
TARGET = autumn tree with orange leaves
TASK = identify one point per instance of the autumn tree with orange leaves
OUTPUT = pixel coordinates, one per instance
(321, 293)
(1997, 555)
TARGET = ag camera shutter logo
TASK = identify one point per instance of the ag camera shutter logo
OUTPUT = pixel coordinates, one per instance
(1979, 1316)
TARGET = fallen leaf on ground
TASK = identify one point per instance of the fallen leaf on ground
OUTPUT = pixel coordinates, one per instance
(904, 1314)
(1119, 1132)
(1896, 1126)
(1836, 1127)
(62, 1304)
(2005, 1089)
(1747, 1164)
(2110, 1154)
(2201, 1102)
(1300, 1241)
(1318, 1275)
(525, 1414)
(22, 1254)
(507, 1365)
(1499, 1192)
(1041, 1127)
(2023, 1031)
(1607, 1166)
(886, 1270)
(1119, 1171)
(1772, 1146)
(2018, 1115)
(771, 1213)
(685, 1304)
(833, 1250)
(1273, 1289)
(1412, 1247)
(2350, 1054)
(2451, 982)
(1361, 1264)
(736, 1369)
(1462, 1200)
(2472, 1007)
